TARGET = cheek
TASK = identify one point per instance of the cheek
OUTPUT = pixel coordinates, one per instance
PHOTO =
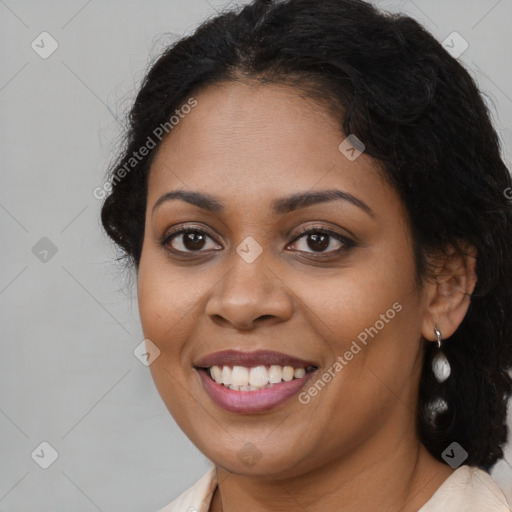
(165, 297)
(370, 315)
(348, 301)
(172, 301)
(164, 309)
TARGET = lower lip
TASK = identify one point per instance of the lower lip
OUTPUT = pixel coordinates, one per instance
(252, 401)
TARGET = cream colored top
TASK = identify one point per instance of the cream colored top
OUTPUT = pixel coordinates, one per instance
(467, 489)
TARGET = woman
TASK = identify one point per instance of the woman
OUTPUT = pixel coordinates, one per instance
(313, 199)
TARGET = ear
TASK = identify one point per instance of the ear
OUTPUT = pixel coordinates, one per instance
(448, 291)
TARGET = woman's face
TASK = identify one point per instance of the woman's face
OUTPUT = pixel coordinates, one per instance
(246, 279)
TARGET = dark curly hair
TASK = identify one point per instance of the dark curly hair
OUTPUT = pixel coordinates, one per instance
(421, 116)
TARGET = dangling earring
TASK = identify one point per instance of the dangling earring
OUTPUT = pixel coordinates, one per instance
(440, 365)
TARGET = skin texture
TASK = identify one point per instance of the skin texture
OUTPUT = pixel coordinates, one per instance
(353, 446)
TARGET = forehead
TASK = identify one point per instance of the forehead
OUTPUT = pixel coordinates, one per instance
(261, 141)
(251, 124)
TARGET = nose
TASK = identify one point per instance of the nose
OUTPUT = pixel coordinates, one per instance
(248, 295)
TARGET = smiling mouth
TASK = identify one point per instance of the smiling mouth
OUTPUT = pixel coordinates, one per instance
(255, 378)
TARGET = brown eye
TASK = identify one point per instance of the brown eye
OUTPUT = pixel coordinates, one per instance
(319, 240)
(193, 241)
(188, 240)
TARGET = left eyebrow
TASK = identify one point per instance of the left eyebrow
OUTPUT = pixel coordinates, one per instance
(304, 199)
(279, 206)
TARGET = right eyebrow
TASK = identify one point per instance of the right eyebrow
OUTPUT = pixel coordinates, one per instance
(204, 201)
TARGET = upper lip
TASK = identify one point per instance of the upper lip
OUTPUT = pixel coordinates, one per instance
(257, 358)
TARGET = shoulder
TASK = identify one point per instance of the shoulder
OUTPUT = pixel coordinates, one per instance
(196, 498)
(468, 489)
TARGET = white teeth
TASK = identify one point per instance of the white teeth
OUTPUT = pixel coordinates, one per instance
(299, 373)
(275, 374)
(216, 373)
(258, 376)
(241, 378)
(288, 373)
(226, 375)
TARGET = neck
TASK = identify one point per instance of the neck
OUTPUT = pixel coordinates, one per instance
(402, 477)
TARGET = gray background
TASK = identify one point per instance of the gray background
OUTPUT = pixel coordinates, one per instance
(68, 375)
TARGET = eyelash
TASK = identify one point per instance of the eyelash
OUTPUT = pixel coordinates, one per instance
(347, 242)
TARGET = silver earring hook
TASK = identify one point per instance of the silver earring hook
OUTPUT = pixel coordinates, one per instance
(438, 336)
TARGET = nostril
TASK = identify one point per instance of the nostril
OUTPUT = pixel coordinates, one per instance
(264, 317)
